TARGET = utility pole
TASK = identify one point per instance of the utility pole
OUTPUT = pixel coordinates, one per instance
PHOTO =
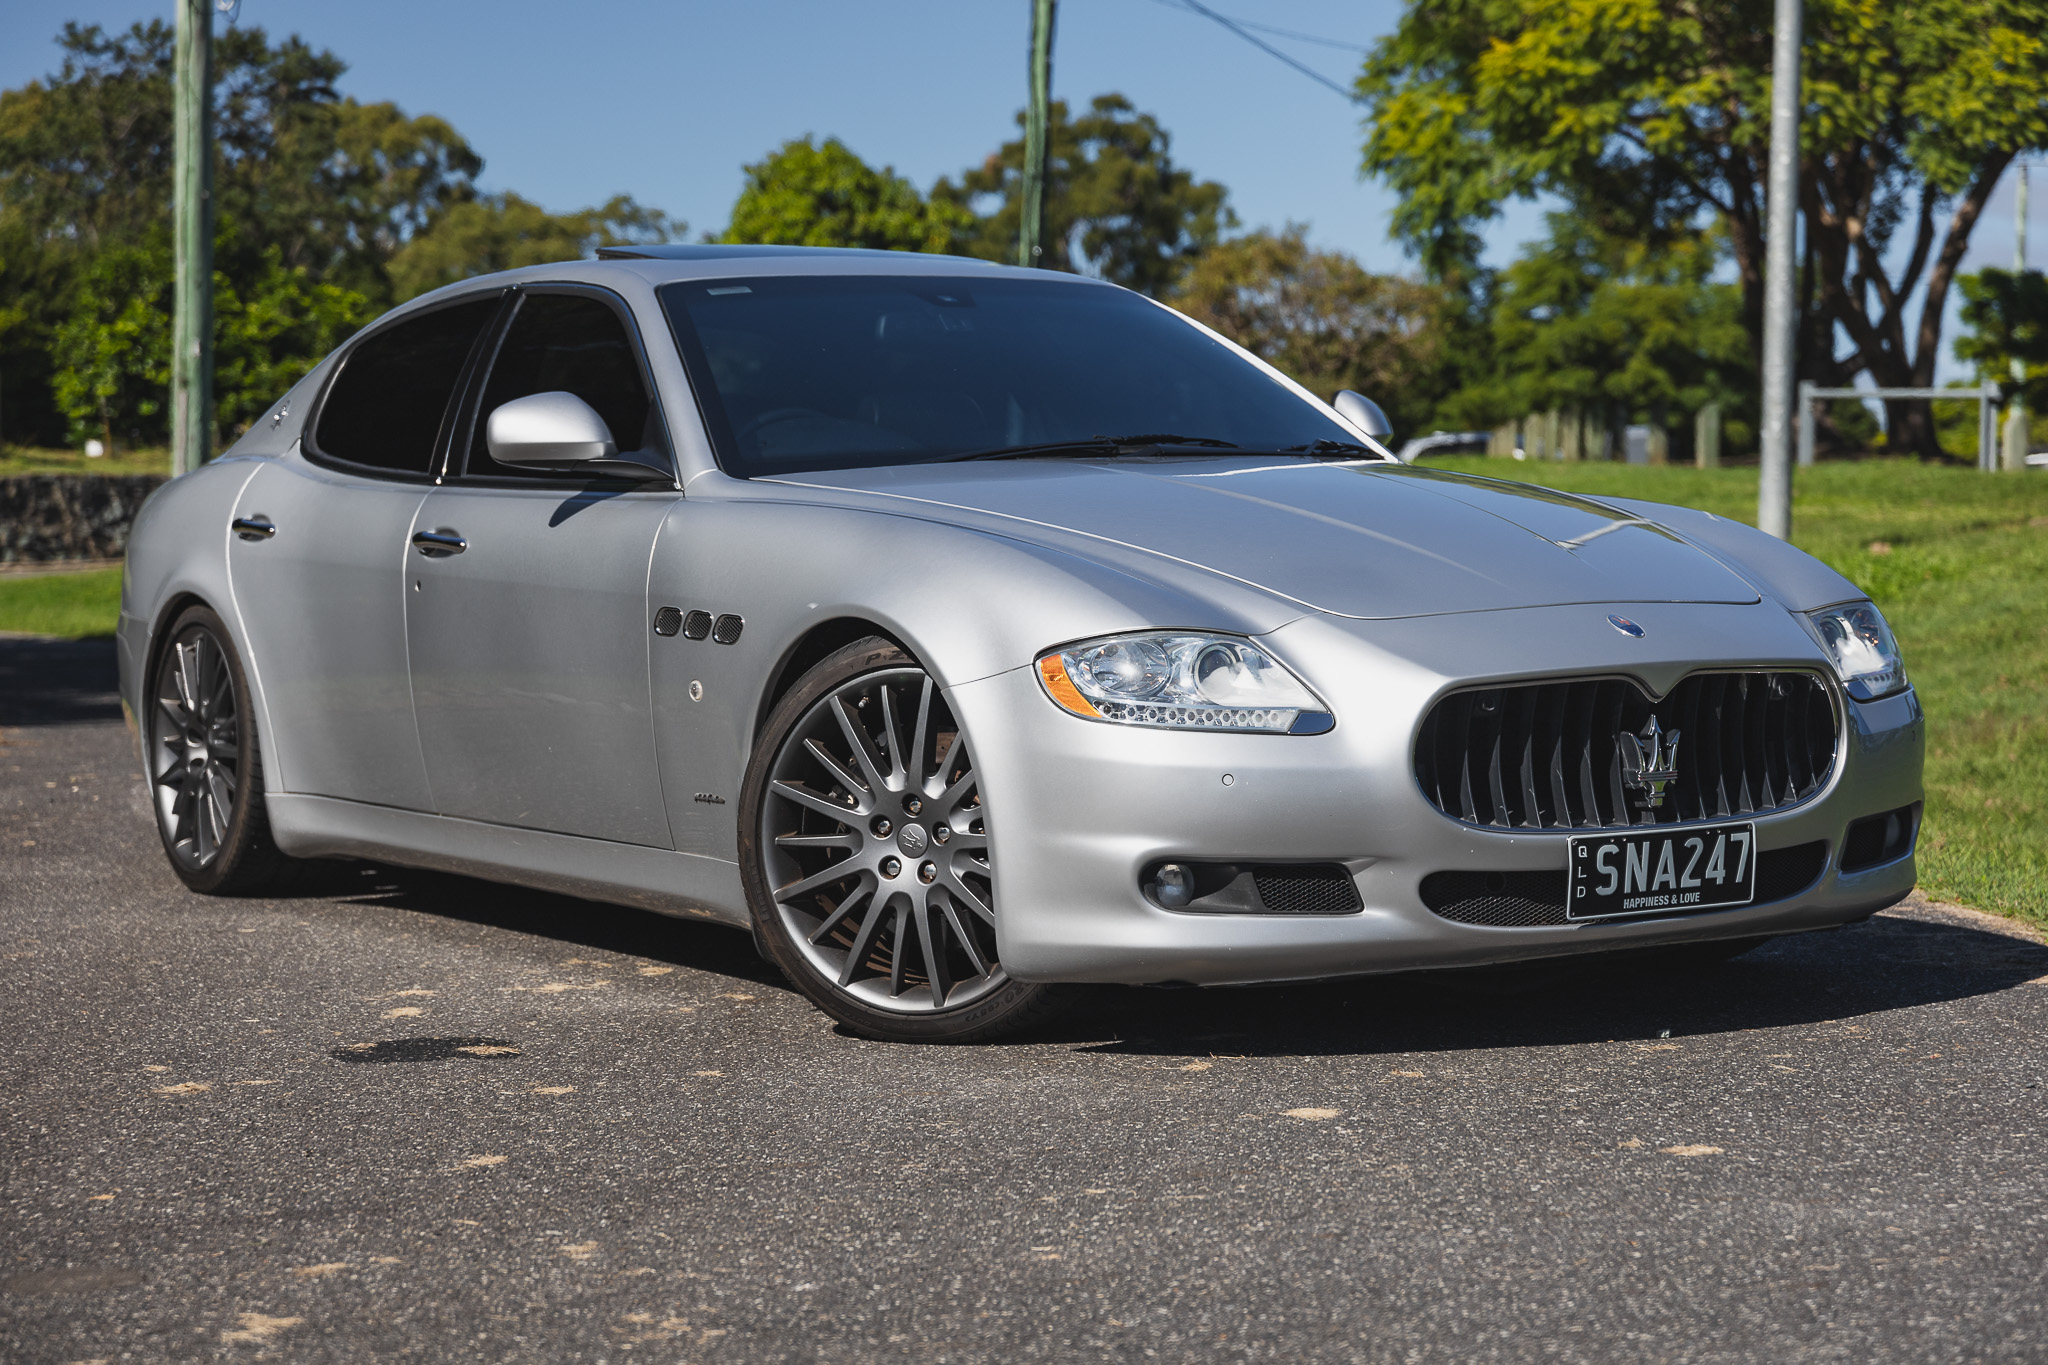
(192, 240)
(2016, 416)
(1774, 487)
(1031, 228)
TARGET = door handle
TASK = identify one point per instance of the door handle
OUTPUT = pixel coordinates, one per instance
(258, 527)
(439, 543)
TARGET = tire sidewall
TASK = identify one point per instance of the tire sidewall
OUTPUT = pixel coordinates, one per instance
(984, 1016)
(248, 774)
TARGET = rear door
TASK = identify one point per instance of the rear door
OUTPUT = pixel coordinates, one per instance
(527, 618)
(318, 561)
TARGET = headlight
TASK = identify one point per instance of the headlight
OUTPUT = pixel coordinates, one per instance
(1861, 647)
(1182, 682)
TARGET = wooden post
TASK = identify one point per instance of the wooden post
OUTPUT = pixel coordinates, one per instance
(192, 240)
(1706, 436)
(1031, 227)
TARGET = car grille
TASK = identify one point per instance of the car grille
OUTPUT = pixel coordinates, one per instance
(1527, 900)
(1549, 755)
(1287, 890)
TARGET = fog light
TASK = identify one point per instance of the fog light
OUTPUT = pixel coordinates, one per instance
(1173, 885)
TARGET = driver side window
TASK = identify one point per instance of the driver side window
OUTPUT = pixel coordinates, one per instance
(575, 344)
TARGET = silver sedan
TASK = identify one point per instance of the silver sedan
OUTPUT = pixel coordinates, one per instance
(962, 631)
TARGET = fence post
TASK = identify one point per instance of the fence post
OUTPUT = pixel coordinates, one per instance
(1805, 423)
(1706, 437)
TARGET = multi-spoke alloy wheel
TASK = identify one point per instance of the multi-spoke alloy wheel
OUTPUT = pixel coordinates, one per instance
(203, 771)
(869, 862)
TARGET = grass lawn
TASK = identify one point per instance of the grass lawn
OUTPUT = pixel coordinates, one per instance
(73, 605)
(37, 460)
(1958, 561)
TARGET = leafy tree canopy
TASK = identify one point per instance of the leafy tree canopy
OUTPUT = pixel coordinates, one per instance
(1326, 321)
(504, 231)
(2006, 313)
(809, 194)
(1614, 327)
(329, 210)
(1651, 117)
(1116, 204)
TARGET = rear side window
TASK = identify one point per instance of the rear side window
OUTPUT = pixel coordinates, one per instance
(385, 409)
(575, 344)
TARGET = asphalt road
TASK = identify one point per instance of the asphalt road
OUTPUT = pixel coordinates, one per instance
(1829, 1150)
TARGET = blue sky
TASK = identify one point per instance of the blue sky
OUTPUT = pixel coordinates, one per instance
(570, 104)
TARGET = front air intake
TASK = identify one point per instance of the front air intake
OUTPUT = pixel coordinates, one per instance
(1562, 755)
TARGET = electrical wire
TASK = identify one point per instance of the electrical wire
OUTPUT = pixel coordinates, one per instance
(1243, 30)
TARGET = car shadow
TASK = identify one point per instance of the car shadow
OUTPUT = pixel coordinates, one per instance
(57, 682)
(679, 941)
(1891, 962)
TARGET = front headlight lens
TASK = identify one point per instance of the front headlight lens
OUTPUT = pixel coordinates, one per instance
(1182, 682)
(1861, 647)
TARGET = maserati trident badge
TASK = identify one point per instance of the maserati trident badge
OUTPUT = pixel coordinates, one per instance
(1648, 761)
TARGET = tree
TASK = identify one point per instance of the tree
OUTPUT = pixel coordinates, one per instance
(1116, 205)
(1650, 118)
(2006, 313)
(1614, 327)
(807, 194)
(504, 231)
(113, 351)
(1326, 321)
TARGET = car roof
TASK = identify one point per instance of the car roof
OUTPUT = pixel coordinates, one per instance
(654, 265)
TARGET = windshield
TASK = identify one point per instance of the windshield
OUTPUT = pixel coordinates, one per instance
(838, 372)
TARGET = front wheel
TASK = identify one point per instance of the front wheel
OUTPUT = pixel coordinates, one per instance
(206, 779)
(864, 844)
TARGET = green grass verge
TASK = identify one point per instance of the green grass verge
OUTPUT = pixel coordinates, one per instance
(1958, 561)
(73, 605)
(37, 460)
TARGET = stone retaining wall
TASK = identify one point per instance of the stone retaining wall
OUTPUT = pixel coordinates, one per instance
(70, 516)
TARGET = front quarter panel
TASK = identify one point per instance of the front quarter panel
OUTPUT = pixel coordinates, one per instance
(967, 603)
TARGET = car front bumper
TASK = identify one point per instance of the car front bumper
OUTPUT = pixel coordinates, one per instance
(1078, 809)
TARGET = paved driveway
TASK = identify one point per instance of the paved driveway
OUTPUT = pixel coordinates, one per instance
(410, 1116)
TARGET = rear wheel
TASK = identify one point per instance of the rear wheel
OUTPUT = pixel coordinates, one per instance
(206, 780)
(864, 844)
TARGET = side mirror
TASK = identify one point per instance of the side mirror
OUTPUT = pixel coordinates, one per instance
(558, 430)
(1363, 413)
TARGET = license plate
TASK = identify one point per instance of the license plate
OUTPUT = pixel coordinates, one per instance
(1662, 872)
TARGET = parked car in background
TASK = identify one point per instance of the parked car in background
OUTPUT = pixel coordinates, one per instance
(962, 630)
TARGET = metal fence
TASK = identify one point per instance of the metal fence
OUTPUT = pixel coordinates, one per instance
(1985, 396)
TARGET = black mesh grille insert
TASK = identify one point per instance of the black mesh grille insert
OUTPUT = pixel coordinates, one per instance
(1550, 755)
(1322, 890)
(1525, 900)
(668, 620)
(696, 625)
(727, 630)
(1877, 839)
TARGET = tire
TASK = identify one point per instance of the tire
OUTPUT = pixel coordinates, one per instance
(205, 774)
(864, 849)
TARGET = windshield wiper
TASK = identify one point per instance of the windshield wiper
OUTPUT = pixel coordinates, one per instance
(1326, 446)
(1095, 447)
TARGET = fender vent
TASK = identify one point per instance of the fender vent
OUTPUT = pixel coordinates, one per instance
(696, 625)
(668, 621)
(728, 629)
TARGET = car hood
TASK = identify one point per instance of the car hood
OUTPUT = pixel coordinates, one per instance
(1360, 540)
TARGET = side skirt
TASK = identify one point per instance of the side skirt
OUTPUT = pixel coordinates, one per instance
(659, 879)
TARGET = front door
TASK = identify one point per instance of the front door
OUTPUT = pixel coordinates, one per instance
(526, 592)
(317, 563)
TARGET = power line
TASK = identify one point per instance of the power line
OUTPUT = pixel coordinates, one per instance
(1243, 30)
